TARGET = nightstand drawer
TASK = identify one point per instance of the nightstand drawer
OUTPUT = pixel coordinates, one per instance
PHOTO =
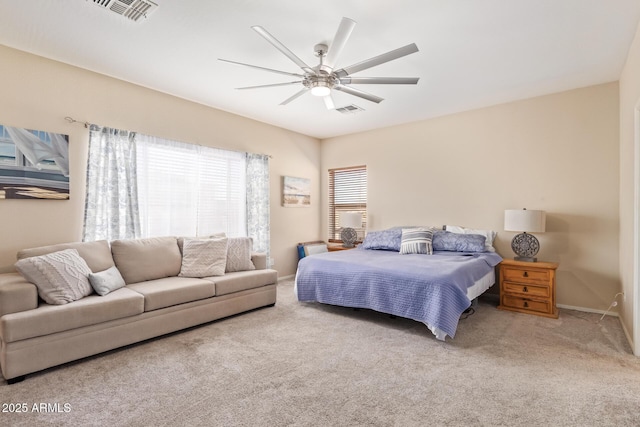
(527, 289)
(528, 275)
(526, 304)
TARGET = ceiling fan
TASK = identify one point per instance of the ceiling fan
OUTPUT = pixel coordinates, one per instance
(324, 77)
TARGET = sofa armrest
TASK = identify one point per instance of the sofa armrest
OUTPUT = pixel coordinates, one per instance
(259, 260)
(16, 294)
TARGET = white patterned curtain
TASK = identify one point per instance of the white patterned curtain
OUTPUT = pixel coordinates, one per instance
(258, 202)
(111, 207)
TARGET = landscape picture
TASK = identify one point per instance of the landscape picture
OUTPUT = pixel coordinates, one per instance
(34, 164)
(296, 192)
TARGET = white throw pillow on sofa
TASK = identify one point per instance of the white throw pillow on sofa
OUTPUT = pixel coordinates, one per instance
(204, 257)
(61, 277)
(106, 281)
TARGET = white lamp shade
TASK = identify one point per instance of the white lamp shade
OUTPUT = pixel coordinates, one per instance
(351, 220)
(531, 221)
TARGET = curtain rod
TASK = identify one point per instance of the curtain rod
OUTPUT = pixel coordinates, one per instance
(72, 120)
(87, 125)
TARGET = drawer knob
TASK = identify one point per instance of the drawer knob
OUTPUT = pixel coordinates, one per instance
(525, 304)
(525, 289)
(525, 274)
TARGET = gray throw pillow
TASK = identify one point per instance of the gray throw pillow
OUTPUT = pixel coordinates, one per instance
(106, 281)
(239, 254)
(416, 241)
(204, 257)
(61, 277)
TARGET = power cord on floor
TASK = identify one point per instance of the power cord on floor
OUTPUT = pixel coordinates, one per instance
(468, 312)
(613, 304)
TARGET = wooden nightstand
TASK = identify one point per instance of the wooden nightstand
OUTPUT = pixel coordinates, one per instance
(337, 247)
(528, 287)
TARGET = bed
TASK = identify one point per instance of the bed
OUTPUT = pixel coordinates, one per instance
(433, 289)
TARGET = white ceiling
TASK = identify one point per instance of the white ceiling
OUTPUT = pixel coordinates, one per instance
(473, 53)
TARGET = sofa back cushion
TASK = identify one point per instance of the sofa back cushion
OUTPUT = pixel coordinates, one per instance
(96, 254)
(152, 258)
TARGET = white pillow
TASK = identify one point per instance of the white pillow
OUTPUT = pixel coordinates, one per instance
(204, 257)
(106, 281)
(316, 248)
(239, 254)
(489, 235)
(61, 277)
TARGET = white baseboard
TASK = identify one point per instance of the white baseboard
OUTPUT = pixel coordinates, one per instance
(587, 310)
(291, 276)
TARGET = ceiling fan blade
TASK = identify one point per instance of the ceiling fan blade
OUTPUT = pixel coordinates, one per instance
(377, 60)
(328, 102)
(262, 68)
(359, 93)
(270, 85)
(380, 80)
(296, 95)
(339, 41)
(282, 48)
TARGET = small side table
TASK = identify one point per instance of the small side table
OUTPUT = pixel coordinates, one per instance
(331, 247)
(528, 287)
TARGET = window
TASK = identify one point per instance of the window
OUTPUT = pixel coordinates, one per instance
(347, 193)
(144, 186)
(189, 190)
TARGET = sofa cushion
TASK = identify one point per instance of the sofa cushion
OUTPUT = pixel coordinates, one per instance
(106, 281)
(243, 280)
(170, 291)
(239, 254)
(203, 257)
(97, 254)
(61, 277)
(147, 259)
(48, 319)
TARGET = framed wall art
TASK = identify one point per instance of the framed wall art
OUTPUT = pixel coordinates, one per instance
(296, 192)
(34, 164)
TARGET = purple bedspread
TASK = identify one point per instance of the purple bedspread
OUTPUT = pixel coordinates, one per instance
(431, 289)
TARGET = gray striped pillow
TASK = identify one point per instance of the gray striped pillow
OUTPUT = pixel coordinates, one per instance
(416, 241)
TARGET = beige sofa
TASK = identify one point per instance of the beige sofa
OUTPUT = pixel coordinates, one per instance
(35, 335)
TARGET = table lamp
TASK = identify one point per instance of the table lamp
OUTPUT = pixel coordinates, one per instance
(348, 222)
(525, 221)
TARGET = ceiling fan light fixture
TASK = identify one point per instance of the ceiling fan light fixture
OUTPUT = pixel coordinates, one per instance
(320, 90)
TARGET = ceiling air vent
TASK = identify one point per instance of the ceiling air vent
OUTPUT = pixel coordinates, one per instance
(350, 109)
(132, 9)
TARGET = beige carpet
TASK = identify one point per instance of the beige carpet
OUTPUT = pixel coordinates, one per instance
(311, 365)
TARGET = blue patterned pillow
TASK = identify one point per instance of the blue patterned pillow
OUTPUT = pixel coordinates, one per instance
(446, 241)
(416, 241)
(387, 240)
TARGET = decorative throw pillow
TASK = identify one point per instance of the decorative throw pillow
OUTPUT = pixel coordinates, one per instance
(446, 241)
(106, 281)
(204, 257)
(416, 241)
(388, 240)
(239, 254)
(61, 277)
(219, 235)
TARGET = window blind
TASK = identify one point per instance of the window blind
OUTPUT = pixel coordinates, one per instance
(190, 190)
(347, 193)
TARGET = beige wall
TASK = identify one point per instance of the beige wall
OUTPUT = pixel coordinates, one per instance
(558, 153)
(629, 101)
(38, 93)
